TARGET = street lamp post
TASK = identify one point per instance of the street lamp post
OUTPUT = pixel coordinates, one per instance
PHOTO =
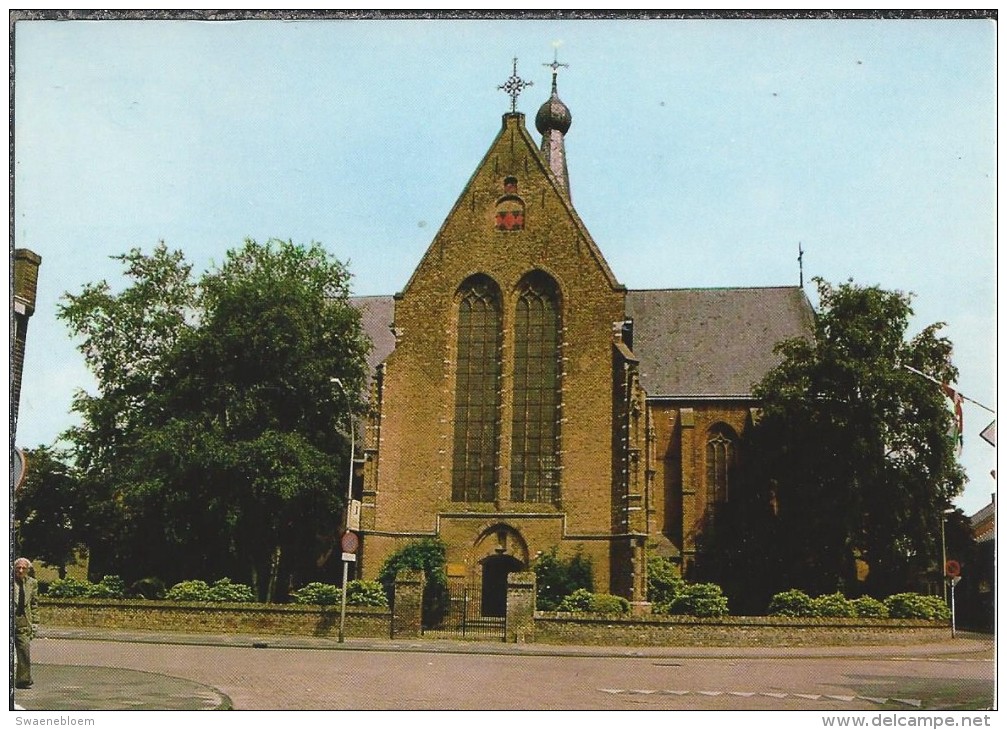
(944, 553)
(349, 499)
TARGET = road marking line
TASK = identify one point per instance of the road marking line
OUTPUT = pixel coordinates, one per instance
(775, 695)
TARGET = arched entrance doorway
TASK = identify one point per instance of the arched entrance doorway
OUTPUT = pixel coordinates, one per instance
(496, 568)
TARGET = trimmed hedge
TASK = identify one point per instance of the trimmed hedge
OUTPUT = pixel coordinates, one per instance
(914, 605)
(111, 586)
(867, 607)
(797, 603)
(584, 601)
(703, 600)
(791, 603)
(358, 593)
(833, 605)
(222, 591)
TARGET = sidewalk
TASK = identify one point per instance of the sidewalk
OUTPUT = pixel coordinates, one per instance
(964, 643)
(68, 688)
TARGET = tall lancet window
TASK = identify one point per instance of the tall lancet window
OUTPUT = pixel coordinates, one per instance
(720, 463)
(477, 392)
(535, 433)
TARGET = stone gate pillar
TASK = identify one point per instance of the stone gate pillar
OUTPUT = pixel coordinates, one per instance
(521, 607)
(407, 606)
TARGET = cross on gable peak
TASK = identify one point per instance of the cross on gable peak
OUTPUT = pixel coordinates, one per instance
(514, 86)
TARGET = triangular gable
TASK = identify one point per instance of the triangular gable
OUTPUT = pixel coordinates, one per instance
(513, 132)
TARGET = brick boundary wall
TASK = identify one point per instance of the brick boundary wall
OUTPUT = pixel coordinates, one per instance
(549, 628)
(208, 618)
(557, 628)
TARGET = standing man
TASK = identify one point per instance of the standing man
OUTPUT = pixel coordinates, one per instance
(25, 605)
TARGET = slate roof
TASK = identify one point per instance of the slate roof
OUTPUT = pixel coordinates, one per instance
(702, 343)
(376, 315)
(712, 342)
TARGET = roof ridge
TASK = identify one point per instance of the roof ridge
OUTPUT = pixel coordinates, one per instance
(717, 288)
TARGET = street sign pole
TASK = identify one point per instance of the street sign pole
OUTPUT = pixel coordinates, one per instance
(954, 582)
(349, 500)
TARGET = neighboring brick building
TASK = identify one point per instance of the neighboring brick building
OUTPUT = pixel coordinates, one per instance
(524, 398)
(26, 265)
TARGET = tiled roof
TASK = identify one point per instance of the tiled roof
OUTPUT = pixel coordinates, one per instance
(984, 523)
(712, 342)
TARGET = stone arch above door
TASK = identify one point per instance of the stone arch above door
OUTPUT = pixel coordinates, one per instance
(500, 539)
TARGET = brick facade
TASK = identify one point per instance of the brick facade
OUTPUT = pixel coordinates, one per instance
(634, 420)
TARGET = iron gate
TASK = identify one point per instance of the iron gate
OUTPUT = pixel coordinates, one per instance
(465, 616)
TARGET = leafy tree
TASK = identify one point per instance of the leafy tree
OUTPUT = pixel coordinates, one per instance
(216, 441)
(851, 463)
(50, 509)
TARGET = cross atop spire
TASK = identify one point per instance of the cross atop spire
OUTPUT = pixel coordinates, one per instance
(555, 65)
(514, 86)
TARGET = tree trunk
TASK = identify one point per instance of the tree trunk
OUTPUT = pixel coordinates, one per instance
(255, 580)
(274, 570)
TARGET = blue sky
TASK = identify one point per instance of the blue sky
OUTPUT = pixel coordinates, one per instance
(701, 153)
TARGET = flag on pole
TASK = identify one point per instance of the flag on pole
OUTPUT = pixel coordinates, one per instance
(959, 421)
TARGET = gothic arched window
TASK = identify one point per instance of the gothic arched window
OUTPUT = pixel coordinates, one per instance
(721, 457)
(477, 392)
(535, 432)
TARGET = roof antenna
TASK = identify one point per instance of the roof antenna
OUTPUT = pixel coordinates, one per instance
(800, 262)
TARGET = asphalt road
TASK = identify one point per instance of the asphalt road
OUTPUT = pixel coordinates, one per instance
(385, 676)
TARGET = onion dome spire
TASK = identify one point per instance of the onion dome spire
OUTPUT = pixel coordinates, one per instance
(553, 121)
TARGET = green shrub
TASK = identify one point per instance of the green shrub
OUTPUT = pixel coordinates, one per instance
(69, 588)
(663, 580)
(318, 594)
(607, 603)
(556, 578)
(577, 602)
(867, 607)
(833, 605)
(704, 600)
(359, 593)
(224, 591)
(189, 590)
(583, 601)
(366, 593)
(915, 605)
(110, 586)
(791, 603)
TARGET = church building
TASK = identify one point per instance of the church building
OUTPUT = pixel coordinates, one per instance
(523, 398)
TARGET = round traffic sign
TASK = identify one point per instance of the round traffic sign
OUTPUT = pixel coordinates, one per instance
(952, 569)
(349, 542)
